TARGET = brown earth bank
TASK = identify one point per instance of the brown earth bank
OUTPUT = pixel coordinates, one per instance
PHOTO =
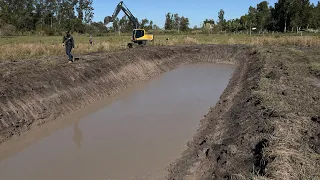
(266, 124)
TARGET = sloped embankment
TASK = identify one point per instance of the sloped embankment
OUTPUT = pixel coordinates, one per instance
(37, 91)
(265, 124)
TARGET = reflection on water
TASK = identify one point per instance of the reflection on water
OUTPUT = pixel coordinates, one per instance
(77, 134)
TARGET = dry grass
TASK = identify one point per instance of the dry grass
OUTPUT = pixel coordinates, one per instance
(30, 50)
(180, 41)
(173, 41)
(189, 40)
(287, 41)
(294, 158)
(231, 41)
(30, 47)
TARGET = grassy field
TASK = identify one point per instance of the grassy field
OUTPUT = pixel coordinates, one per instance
(26, 47)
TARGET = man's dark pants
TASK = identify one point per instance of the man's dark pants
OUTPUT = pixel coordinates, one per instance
(68, 51)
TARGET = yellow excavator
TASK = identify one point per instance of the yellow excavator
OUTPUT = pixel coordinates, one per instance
(139, 35)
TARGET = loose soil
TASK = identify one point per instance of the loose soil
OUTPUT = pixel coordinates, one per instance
(266, 124)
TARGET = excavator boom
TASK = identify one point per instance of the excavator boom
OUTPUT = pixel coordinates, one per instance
(123, 7)
(139, 36)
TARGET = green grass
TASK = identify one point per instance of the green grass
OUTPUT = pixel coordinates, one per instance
(315, 68)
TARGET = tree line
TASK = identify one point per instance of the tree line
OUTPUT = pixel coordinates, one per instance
(174, 21)
(124, 25)
(284, 16)
(51, 17)
(48, 16)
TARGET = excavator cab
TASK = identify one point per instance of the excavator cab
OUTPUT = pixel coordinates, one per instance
(137, 33)
(140, 37)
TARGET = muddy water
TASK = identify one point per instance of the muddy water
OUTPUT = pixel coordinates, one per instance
(135, 136)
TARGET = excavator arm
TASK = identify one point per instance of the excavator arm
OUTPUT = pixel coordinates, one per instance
(122, 6)
(139, 36)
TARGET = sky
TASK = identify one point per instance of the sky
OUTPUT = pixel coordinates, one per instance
(196, 10)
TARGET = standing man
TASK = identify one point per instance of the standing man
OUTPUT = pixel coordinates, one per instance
(91, 41)
(68, 42)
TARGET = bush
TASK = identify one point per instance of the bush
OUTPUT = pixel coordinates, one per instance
(48, 31)
(1, 23)
(8, 30)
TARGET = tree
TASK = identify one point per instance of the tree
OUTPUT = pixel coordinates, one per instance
(306, 13)
(47, 16)
(80, 8)
(315, 20)
(177, 21)
(271, 21)
(169, 22)
(209, 21)
(144, 23)
(262, 15)
(155, 27)
(294, 15)
(116, 25)
(233, 25)
(150, 25)
(252, 18)
(17, 13)
(124, 24)
(184, 23)
(244, 22)
(222, 21)
(99, 27)
(88, 11)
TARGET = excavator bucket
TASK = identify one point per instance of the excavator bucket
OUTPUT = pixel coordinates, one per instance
(107, 20)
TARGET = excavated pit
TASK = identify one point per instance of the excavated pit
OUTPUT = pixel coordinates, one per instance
(36, 91)
(133, 136)
(256, 128)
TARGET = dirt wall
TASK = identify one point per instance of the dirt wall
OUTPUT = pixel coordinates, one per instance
(36, 91)
(265, 125)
